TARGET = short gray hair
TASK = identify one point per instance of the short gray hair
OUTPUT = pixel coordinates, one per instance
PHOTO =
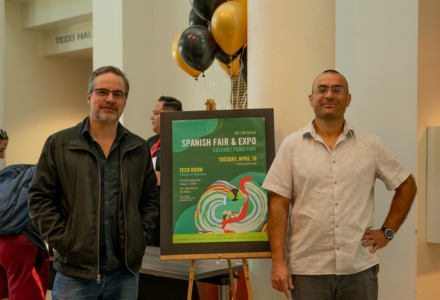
(108, 69)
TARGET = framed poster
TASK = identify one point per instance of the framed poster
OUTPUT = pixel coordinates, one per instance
(212, 167)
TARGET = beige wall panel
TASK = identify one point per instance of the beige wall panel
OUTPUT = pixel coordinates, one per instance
(43, 94)
(43, 14)
(290, 43)
(376, 49)
(428, 114)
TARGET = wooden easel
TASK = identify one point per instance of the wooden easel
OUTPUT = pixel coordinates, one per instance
(231, 279)
(228, 257)
(210, 104)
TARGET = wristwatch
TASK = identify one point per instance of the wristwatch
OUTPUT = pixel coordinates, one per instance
(389, 233)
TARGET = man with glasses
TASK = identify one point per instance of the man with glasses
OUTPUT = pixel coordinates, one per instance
(165, 103)
(94, 197)
(322, 188)
(4, 139)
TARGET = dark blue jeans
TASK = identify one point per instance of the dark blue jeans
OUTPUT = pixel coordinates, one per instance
(359, 286)
(116, 284)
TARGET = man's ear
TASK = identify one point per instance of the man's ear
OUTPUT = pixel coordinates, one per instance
(348, 100)
(311, 100)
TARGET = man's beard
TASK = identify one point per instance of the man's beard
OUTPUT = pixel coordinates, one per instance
(106, 117)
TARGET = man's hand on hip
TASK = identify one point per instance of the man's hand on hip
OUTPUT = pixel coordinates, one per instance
(374, 238)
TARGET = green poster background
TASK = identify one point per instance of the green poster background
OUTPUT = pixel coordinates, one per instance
(218, 168)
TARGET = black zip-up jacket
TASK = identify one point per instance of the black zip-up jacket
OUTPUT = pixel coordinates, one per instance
(64, 201)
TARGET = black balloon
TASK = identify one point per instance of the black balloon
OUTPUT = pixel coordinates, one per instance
(205, 8)
(195, 19)
(223, 57)
(243, 68)
(197, 47)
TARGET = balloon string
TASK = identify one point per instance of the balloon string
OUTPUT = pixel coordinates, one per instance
(238, 90)
(232, 102)
(206, 89)
(238, 93)
(199, 89)
(196, 81)
(243, 99)
(232, 82)
(239, 102)
(214, 86)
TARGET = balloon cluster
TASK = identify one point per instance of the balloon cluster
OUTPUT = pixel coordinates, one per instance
(217, 31)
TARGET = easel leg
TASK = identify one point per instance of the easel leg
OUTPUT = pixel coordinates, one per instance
(191, 279)
(248, 282)
(231, 279)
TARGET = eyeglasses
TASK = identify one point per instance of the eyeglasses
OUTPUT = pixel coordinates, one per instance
(337, 90)
(118, 95)
(3, 133)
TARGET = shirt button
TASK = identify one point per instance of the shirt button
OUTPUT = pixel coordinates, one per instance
(337, 226)
(337, 248)
(106, 202)
(334, 161)
(335, 182)
(106, 222)
(336, 204)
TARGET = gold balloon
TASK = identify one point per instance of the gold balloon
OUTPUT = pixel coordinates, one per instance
(179, 61)
(229, 26)
(242, 2)
(232, 69)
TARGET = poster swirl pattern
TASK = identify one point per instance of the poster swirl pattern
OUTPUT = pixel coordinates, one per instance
(225, 208)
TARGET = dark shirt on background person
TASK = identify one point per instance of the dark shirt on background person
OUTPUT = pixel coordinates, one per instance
(164, 103)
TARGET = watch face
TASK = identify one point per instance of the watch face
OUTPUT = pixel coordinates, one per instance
(389, 233)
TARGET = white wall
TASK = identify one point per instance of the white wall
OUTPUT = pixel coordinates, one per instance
(144, 49)
(428, 254)
(376, 49)
(54, 13)
(141, 39)
(289, 45)
(378, 55)
(43, 94)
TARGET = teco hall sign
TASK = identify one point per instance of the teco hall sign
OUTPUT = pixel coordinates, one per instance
(72, 37)
(67, 39)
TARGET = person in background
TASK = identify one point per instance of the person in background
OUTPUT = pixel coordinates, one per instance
(4, 139)
(164, 103)
(24, 258)
(324, 175)
(94, 198)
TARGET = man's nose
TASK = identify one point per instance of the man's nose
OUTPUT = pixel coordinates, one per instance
(329, 93)
(110, 96)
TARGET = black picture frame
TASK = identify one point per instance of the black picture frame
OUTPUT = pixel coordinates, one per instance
(166, 202)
